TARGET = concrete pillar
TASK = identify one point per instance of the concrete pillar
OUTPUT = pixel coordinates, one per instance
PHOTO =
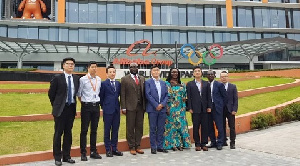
(57, 66)
(251, 65)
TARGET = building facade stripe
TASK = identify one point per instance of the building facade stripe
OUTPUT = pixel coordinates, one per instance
(61, 11)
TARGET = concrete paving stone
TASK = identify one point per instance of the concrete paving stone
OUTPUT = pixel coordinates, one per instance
(277, 145)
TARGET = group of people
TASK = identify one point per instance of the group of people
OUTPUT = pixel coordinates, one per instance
(166, 102)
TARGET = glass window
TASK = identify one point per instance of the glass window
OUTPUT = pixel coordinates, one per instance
(102, 12)
(249, 21)
(265, 17)
(63, 34)
(296, 18)
(199, 15)
(139, 13)
(191, 14)
(156, 36)
(53, 34)
(156, 14)
(111, 36)
(73, 35)
(182, 15)
(129, 13)
(210, 16)
(234, 18)
(200, 37)
(120, 36)
(241, 17)
(129, 36)
(234, 36)
(148, 35)
(224, 16)
(281, 18)
(169, 15)
(72, 11)
(243, 36)
(258, 17)
(92, 36)
(251, 36)
(166, 36)
(274, 18)
(92, 11)
(102, 36)
(174, 36)
(218, 37)
(226, 36)
(83, 12)
(209, 37)
(183, 37)
(139, 35)
(192, 37)
(43, 33)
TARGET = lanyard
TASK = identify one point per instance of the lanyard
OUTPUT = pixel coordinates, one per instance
(94, 87)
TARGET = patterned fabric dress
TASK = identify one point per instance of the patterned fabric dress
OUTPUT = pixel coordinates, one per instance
(176, 127)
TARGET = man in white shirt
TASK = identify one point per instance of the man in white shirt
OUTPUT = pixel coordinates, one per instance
(88, 94)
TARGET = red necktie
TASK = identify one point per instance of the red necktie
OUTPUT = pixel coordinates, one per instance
(136, 80)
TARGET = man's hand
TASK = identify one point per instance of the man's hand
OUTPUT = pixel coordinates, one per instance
(124, 111)
(191, 111)
(208, 109)
(233, 112)
(159, 107)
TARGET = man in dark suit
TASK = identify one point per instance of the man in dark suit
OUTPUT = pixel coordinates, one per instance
(199, 104)
(109, 95)
(230, 108)
(62, 95)
(133, 105)
(157, 96)
(218, 96)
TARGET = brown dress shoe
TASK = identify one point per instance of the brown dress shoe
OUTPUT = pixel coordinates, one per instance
(133, 152)
(198, 148)
(139, 151)
(204, 148)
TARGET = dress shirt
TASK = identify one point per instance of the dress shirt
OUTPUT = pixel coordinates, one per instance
(211, 90)
(86, 91)
(72, 86)
(198, 85)
(226, 85)
(137, 76)
(158, 87)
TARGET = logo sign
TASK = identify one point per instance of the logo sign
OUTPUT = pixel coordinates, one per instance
(201, 56)
(139, 61)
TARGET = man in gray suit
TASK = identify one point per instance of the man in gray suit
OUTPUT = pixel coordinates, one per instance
(230, 108)
(133, 105)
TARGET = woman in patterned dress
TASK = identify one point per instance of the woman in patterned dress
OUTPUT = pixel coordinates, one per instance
(176, 128)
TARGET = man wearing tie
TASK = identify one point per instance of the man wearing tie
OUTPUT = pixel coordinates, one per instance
(63, 88)
(88, 94)
(133, 105)
(109, 95)
(199, 104)
(218, 97)
(157, 96)
(230, 108)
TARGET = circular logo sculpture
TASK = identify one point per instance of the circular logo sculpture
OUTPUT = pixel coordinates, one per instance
(192, 53)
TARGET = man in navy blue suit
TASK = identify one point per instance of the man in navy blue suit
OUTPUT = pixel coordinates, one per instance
(230, 108)
(218, 97)
(199, 105)
(109, 95)
(157, 96)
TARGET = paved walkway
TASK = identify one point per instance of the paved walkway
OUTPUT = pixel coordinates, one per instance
(277, 145)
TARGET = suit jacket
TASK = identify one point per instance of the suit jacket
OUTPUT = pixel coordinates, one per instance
(129, 98)
(232, 98)
(58, 92)
(109, 98)
(196, 102)
(152, 95)
(219, 96)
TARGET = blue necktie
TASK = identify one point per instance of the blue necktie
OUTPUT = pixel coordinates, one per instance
(69, 91)
(113, 85)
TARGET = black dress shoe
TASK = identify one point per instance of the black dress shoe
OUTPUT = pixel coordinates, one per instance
(180, 148)
(109, 154)
(117, 153)
(219, 147)
(232, 145)
(83, 157)
(212, 145)
(174, 149)
(71, 161)
(162, 150)
(225, 144)
(58, 163)
(153, 151)
(95, 155)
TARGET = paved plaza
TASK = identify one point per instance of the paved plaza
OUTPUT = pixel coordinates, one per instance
(277, 145)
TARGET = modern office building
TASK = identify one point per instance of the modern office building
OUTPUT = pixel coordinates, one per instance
(102, 30)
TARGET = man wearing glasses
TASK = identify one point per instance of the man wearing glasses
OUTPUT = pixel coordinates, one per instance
(62, 95)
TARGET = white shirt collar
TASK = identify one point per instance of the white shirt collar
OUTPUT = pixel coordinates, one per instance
(66, 74)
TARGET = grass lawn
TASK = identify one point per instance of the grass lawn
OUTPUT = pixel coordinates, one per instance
(24, 86)
(36, 136)
(39, 103)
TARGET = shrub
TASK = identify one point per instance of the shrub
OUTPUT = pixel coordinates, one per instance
(286, 114)
(263, 121)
